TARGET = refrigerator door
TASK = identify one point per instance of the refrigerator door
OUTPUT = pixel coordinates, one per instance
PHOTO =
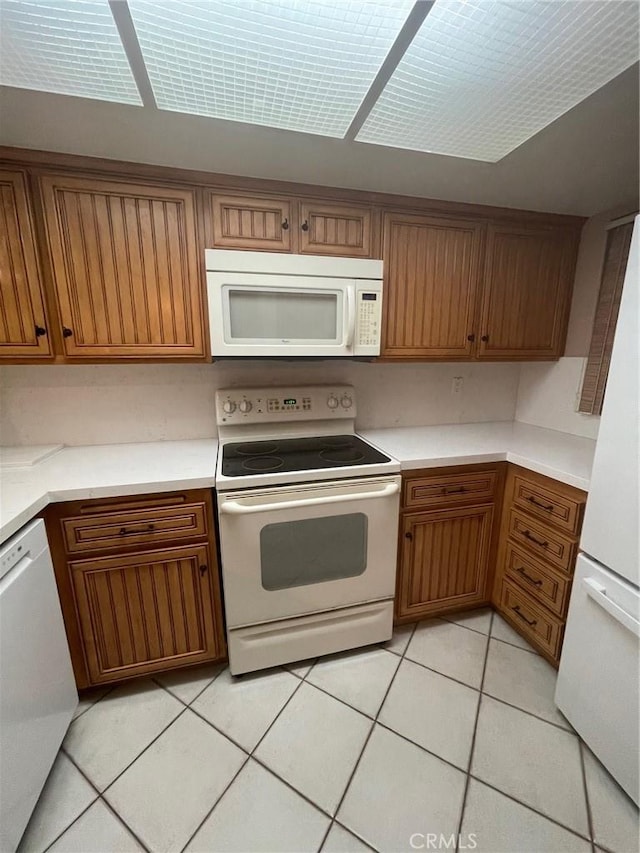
(610, 530)
(598, 687)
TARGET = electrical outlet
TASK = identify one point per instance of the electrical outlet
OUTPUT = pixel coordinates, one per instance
(457, 384)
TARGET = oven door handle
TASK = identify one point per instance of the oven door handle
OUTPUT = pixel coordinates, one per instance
(351, 317)
(236, 508)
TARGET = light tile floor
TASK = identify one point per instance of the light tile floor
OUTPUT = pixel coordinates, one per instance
(448, 730)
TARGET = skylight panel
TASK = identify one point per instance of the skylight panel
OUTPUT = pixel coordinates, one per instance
(303, 65)
(483, 76)
(71, 47)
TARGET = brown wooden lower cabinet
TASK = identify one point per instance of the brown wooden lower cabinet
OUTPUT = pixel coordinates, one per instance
(134, 609)
(447, 550)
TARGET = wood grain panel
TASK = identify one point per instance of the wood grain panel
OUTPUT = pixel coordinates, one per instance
(126, 266)
(140, 612)
(431, 280)
(528, 279)
(251, 223)
(444, 562)
(24, 330)
(606, 318)
(335, 230)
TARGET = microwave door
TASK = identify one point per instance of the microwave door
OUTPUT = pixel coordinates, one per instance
(273, 315)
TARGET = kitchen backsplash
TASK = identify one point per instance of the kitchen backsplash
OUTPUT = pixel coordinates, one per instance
(548, 396)
(108, 404)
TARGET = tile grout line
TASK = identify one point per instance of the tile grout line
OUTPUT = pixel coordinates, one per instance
(93, 704)
(473, 736)
(583, 767)
(364, 746)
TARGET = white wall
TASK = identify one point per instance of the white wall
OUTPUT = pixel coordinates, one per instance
(95, 404)
(548, 396)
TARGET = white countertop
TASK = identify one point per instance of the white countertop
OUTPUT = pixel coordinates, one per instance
(110, 470)
(101, 471)
(564, 457)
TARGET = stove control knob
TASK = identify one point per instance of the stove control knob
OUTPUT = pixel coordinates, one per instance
(245, 406)
(333, 402)
(346, 402)
(228, 407)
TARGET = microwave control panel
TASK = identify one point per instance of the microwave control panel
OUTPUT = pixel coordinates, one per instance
(368, 323)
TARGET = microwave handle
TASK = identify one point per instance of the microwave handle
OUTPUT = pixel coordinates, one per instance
(236, 508)
(351, 317)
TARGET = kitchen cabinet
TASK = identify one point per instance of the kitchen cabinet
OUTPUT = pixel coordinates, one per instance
(447, 539)
(526, 292)
(432, 269)
(280, 224)
(539, 534)
(24, 328)
(126, 268)
(139, 583)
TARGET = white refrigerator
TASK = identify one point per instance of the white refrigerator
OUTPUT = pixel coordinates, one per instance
(598, 687)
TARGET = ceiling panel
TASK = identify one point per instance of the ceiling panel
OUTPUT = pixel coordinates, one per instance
(291, 64)
(483, 76)
(71, 47)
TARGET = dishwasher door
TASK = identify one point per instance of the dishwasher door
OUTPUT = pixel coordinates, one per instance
(38, 695)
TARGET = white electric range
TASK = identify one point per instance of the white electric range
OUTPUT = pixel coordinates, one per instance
(308, 516)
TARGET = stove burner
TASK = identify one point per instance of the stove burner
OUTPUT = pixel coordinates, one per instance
(263, 463)
(348, 455)
(257, 448)
(335, 441)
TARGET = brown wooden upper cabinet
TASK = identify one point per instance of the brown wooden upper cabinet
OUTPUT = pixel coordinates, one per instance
(468, 289)
(24, 331)
(126, 268)
(278, 224)
(432, 269)
(528, 279)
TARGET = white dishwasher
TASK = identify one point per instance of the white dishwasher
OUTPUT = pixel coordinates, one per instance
(38, 694)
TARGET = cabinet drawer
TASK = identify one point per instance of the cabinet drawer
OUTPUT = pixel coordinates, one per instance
(134, 527)
(534, 623)
(542, 541)
(547, 505)
(251, 223)
(449, 489)
(543, 583)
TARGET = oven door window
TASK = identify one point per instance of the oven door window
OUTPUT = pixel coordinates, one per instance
(313, 550)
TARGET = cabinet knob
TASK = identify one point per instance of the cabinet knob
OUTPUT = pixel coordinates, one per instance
(203, 569)
(305, 225)
(484, 338)
(471, 338)
(66, 332)
(408, 536)
(285, 225)
(40, 331)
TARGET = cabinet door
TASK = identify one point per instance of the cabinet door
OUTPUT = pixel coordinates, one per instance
(528, 281)
(445, 559)
(240, 222)
(23, 323)
(432, 268)
(146, 612)
(127, 268)
(327, 229)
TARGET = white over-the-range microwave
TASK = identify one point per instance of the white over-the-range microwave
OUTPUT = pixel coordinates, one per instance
(268, 304)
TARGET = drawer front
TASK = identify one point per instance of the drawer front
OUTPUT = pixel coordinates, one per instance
(134, 527)
(540, 540)
(547, 505)
(541, 582)
(449, 489)
(535, 624)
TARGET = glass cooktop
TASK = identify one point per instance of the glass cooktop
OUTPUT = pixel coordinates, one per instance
(240, 458)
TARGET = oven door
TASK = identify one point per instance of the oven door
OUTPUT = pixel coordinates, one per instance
(292, 550)
(274, 315)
